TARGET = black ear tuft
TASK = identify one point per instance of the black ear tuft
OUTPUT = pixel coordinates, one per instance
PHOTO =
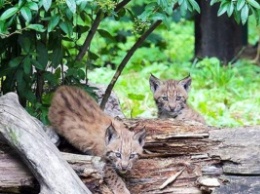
(140, 136)
(110, 134)
(154, 83)
(186, 82)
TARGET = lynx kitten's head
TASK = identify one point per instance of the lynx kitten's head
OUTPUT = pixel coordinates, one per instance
(170, 95)
(123, 147)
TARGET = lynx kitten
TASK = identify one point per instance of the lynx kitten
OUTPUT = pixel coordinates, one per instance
(171, 99)
(78, 118)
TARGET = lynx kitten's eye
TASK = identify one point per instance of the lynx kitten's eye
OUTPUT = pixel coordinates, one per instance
(165, 98)
(178, 97)
(118, 155)
(132, 156)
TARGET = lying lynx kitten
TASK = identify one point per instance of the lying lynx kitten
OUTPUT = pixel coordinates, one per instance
(171, 99)
(78, 118)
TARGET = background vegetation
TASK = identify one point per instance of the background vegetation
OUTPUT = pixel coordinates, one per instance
(224, 95)
(46, 43)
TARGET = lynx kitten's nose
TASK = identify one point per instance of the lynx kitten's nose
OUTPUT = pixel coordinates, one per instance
(124, 167)
(172, 109)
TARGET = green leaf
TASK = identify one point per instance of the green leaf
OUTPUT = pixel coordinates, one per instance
(46, 4)
(195, 5)
(57, 57)
(30, 96)
(26, 13)
(16, 61)
(71, 5)
(37, 64)
(3, 27)
(230, 9)
(53, 22)
(25, 43)
(162, 3)
(254, 4)
(190, 8)
(68, 14)
(223, 8)
(120, 14)
(105, 34)
(237, 16)
(36, 27)
(183, 8)
(93, 56)
(240, 4)
(32, 6)
(81, 74)
(27, 67)
(42, 55)
(66, 28)
(167, 22)
(9, 13)
(180, 2)
(212, 2)
(2, 2)
(149, 9)
(184, 5)
(244, 13)
(159, 16)
(48, 76)
(256, 14)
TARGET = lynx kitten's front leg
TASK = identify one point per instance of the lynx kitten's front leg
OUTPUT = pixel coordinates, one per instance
(114, 181)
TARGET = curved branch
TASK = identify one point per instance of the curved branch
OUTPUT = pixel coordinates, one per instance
(121, 5)
(125, 61)
(90, 35)
(92, 31)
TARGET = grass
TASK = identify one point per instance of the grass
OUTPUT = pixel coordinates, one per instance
(224, 95)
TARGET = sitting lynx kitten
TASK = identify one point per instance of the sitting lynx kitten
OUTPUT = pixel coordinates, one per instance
(78, 118)
(171, 99)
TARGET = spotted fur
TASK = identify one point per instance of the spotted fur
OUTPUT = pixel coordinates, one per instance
(78, 118)
(171, 98)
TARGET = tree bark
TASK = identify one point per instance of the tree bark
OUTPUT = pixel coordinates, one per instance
(180, 157)
(215, 36)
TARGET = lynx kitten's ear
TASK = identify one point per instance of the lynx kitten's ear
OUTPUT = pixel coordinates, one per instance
(186, 82)
(154, 83)
(140, 136)
(111, 134)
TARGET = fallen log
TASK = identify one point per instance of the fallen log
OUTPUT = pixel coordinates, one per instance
(180, 157)
(26, 136)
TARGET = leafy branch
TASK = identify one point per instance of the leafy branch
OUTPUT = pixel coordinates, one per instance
(100, 15)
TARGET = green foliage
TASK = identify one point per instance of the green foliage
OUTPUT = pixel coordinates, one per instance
(42, 43)
(224, 95)
(240, 9)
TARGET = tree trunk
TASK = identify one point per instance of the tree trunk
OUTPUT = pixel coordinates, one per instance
(180, 157)
(215, 36)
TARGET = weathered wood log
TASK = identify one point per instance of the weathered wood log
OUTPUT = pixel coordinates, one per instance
(42, 157)
(181, 157)
(17, 178)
